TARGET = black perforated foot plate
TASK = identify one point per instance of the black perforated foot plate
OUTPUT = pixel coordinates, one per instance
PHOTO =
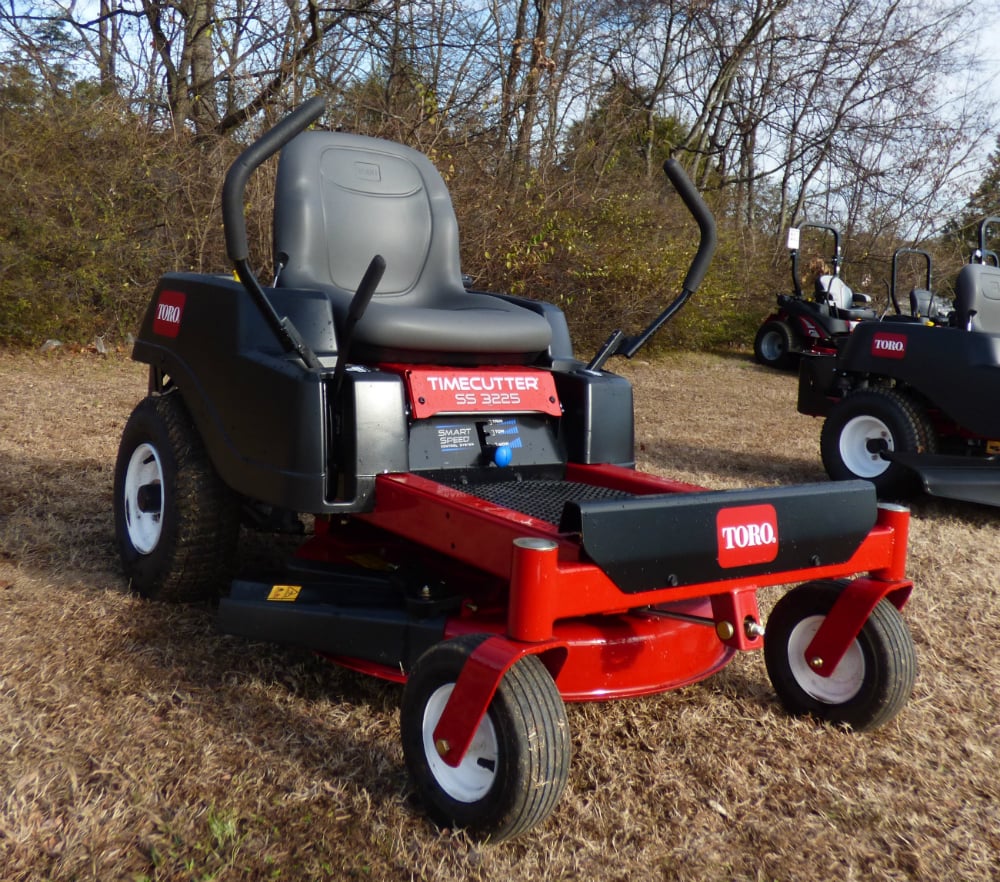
(543, 500)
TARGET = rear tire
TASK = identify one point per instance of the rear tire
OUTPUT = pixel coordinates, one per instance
(773, 345)
(516, 769)
(176, 522)
(862, 425)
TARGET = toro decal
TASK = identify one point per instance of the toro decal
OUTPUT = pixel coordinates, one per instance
(169, 309)
(889, 345)
(747, 535)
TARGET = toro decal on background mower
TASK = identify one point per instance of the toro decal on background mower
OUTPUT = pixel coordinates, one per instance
(810, 330)
(889, 346)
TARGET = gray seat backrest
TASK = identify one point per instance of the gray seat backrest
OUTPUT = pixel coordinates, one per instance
(977, 298)
(835, 292)
(920, 302)
(339, 200)
(926, 304)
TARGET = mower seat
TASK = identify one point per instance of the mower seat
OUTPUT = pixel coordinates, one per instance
(921, 302)
(339, 200)
(926, 305)
(977, 298)
(842, 302)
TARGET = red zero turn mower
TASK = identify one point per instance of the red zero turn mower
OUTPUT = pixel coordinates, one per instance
(800, 326)
(481, 533)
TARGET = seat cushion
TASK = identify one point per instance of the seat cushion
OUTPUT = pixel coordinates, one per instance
(341, 199)
(833, 290)
(461, 328)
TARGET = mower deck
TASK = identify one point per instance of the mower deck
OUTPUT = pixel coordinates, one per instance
(510, 558)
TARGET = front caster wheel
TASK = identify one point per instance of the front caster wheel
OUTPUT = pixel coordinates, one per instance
(872, 682)
(516, 768)
(176, 522)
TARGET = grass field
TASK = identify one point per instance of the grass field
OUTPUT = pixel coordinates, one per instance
(136, 742)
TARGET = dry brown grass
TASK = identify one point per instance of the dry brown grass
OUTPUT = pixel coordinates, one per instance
(138, 743)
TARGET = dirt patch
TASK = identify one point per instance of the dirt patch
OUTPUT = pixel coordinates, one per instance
(138, 743)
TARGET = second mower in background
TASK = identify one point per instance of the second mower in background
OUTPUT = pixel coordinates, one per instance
(911, 404)
(810, 324)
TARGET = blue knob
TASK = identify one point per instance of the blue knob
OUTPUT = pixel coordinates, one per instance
(503, 455)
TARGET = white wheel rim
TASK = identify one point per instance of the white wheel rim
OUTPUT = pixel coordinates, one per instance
(772, 345)
(855, 451)
(143, 526)
(843, 684)
(472, 779)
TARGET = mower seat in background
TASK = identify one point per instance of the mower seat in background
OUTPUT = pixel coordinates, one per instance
(927, 306)
(340, 199)
(921, 302)
(977, 298)
(841, 300)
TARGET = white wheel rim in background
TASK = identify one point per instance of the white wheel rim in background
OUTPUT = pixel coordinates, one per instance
(854, 452)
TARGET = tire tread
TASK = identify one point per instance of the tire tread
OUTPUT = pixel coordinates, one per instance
(197, 551)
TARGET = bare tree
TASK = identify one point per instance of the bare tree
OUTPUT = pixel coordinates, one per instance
(819, 111)
(842, 111)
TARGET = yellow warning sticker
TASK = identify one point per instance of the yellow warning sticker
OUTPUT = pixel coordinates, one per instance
(993, 447)
(284, 592)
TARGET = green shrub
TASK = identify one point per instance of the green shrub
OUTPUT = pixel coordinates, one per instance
(95, 205)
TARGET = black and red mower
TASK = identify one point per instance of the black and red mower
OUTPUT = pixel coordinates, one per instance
(811, 324)
(908, 404)
(481, 533)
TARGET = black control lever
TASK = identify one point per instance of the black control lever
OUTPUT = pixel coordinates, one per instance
(359, 303)
(234, 222)
(620, 344)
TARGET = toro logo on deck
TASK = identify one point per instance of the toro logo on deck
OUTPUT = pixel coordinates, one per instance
(747, 535)
(889, 345)
(169, 308)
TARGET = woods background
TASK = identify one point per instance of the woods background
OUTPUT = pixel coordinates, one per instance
(550, 120)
